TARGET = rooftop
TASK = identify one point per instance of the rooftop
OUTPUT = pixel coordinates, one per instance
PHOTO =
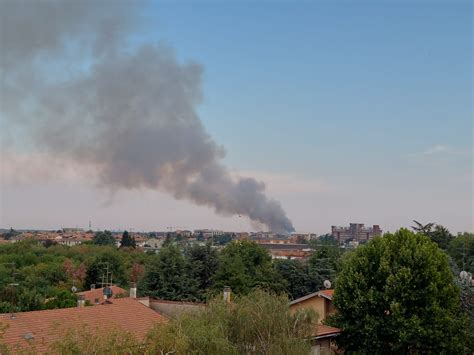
(328, 294)
(43, 328)
(98, 293)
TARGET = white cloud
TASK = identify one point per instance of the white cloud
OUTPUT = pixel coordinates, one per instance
(437, 149)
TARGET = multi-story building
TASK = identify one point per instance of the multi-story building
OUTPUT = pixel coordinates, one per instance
(355, 232)
(208, 233)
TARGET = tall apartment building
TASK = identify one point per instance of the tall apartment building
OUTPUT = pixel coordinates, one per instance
(356, 232)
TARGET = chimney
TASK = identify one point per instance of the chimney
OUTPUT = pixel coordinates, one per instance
(227, 292)
(93, 287)
(81, 301)
(133, 290)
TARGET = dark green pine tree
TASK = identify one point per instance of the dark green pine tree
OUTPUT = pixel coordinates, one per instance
(127, 241)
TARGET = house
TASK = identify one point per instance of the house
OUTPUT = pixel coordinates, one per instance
(290, 254)
(96, 295)
(173, 309)
(321, 302)
(36, 331)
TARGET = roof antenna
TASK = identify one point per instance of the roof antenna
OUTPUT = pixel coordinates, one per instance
(107, 290)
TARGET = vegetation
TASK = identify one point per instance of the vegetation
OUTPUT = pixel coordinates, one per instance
(104, 238)
(258, 323)
(127, 241)
(461, 249)
(436, 232)
(33, 277)
(396, 294)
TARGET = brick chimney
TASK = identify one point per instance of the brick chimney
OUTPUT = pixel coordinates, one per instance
(227, 293)
(81, 301)
(133, 290)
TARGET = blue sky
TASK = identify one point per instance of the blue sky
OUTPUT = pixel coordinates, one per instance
(368, 103)
(326, 83)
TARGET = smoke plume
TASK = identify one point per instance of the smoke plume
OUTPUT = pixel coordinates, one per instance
(80, 89)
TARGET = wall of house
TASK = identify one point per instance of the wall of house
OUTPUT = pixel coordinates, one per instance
(174, 309)
(329, 307)
(316, 303)
(322, 347)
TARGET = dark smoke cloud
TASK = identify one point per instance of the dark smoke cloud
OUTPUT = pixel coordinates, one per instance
(127, 111)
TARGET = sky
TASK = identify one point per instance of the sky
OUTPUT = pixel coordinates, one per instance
(348, 112)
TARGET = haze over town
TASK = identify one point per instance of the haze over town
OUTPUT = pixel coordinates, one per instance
(382, 136)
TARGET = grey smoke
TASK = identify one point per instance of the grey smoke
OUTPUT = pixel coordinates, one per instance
(129, 111)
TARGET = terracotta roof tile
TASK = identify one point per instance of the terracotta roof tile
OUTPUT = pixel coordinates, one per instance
(98, 293)
(328, 293)
(323, 293)
(124, 313)
(325, 331)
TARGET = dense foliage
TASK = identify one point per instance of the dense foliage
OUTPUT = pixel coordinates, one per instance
(258, 323)
(396, 294)
(33, 276)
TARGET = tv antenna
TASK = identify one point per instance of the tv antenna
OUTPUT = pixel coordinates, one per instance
(106, 282)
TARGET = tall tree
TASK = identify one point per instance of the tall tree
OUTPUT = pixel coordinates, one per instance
(436, 232)
(106, 266)
(104, 238)
(203, 262)
(422, 228)
(245, 265)
(396, 294)
(300, 280)
(441, 236)
(127, 241)
(461, 249)
(169, 276)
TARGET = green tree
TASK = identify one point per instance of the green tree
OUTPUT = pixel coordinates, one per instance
(104, 238)
(461, 249)
(109, 264)
(169, 276)
(441, 236)
(10, 234)
(127, 241)
(62, 299)
(203, 262)
(258, 323)
(396, 294)
(244, 265)
(300, 278)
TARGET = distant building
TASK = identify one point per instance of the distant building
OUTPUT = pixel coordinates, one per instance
(72, 230)
(208, 233)
(355, 232)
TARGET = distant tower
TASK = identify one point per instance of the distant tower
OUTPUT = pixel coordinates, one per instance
(90, 226)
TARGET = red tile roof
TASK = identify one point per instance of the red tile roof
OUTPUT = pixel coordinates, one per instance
(92, 295)
(327, 293)
(324, 331)
(323, 293)
(48, 326)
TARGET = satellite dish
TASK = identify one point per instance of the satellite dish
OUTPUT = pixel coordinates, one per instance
(327, 284)
(464, 275)
(73, 289)
(108, 292)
